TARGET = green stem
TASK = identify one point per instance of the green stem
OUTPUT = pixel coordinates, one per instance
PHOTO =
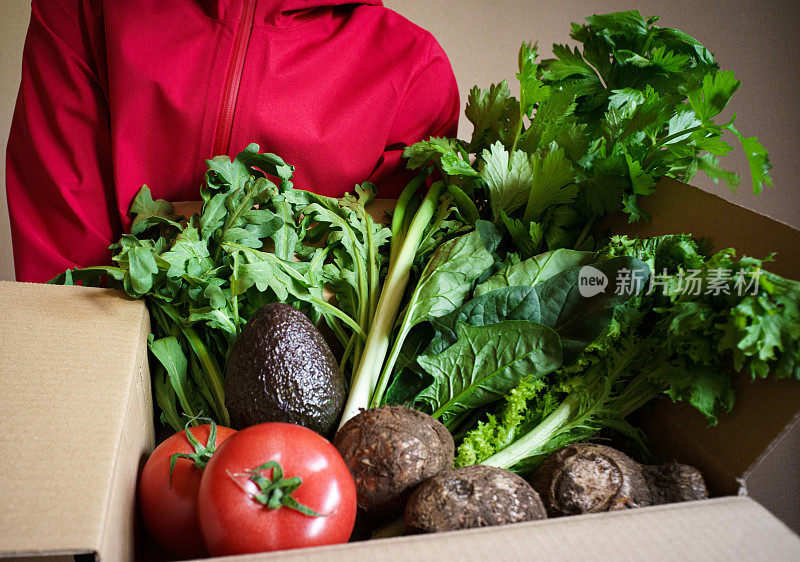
(373, 281)
(400, 209)
(465, 204)
(638, 392)
(358, 352)
(235, 298)
(206, 360)
(388, 367)
(363, 290)
(585, 232)
(371, 361)
(518, 128)
(348, 350)
(536, 439)
(336, 328)
(336, 313)
(679, 134)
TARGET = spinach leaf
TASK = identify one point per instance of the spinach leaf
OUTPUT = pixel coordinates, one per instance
(485, 363)
(534, 270)
(448, 278)
(579, 311)
(406, 386)
(508, 303)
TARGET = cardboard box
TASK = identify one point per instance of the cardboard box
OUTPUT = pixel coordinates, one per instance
(75, 400)
(75, 387)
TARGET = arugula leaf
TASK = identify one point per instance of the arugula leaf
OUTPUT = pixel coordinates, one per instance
(204, 277)
(149, 212)
(188, 255)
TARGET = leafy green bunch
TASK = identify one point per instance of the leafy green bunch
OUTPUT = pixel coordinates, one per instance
(257, 240)
(699, 313)
(593, 130)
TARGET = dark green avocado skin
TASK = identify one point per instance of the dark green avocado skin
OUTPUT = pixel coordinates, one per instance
(282, 370)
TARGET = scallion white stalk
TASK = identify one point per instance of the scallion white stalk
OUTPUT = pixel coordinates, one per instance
(372, 359)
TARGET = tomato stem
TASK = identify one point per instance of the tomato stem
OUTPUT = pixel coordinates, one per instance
(275, 492)
(202, 453)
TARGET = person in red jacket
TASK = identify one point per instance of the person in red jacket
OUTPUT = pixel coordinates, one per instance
(119, 94)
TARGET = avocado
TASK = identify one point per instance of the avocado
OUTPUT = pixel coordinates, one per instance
(281, 370)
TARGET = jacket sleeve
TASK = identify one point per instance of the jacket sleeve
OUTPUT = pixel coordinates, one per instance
(429, 108)
(59, 178)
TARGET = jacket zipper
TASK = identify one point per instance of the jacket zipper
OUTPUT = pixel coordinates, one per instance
(233, 78)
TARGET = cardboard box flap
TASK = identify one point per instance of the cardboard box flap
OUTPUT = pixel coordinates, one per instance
(66, 412)
(680, 208)
(719, 529)
(773, 479)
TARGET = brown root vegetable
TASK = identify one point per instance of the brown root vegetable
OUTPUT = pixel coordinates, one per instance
(390, 451)
(590, 478)
(674, 482)
(472, 496)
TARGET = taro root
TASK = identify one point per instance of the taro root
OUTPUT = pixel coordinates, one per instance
(590, 478)
(674, 482)
(391, 450)
(472, 496)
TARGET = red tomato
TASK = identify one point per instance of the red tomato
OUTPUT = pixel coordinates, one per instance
(233, 522)
(170, 512)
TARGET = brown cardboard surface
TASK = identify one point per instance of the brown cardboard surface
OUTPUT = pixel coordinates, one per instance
(75, 400)
(677, 207)
(774, 479)
(726, 529)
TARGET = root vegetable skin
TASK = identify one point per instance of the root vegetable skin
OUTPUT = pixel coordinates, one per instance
(589, 478)
(675, 482)
(472, 496)
(391, 450)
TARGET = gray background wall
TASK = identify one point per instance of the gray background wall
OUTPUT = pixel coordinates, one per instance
(756, 39)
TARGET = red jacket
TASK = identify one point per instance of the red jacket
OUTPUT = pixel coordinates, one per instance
(116, 94)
